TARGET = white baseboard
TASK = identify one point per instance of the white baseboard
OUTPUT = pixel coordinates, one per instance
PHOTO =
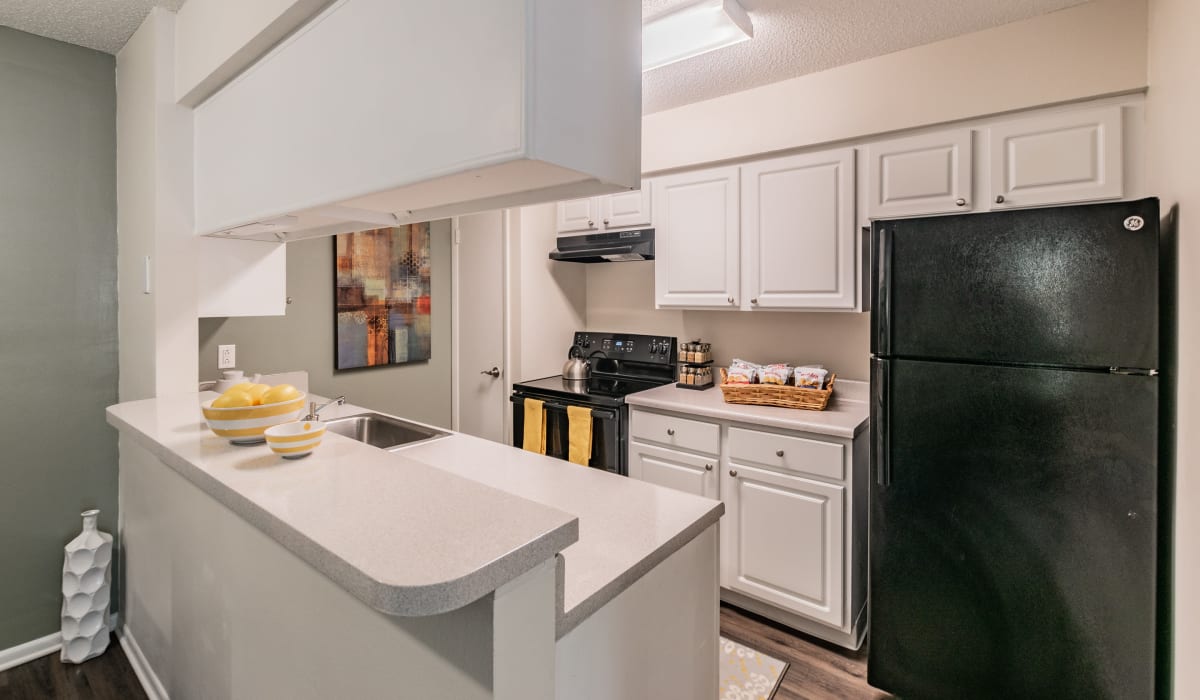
(146, 676)
(24, 653)
(36, 649)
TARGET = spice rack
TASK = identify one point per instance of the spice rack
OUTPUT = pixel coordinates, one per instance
(694, 366)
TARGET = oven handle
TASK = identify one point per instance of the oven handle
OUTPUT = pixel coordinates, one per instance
(602, 413)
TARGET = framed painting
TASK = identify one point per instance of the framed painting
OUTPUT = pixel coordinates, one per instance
(381, 302)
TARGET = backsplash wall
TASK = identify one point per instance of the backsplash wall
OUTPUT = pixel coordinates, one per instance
(620, 297)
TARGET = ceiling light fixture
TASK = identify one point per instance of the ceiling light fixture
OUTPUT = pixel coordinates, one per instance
(694, 29)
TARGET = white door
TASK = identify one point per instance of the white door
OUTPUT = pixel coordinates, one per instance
(782, 541)
(579, 215)
(626, 209)
(798, 231)
(1057, 158)
(696, 239)
(676, 470)
(918, 175)
(480, 386)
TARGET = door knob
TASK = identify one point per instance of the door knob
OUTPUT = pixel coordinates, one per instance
(778, 453)
(493, 372)
(961, 202)
(732, 472)
(708, 467)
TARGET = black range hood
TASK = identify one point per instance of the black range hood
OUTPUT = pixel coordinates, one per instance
(610, 246)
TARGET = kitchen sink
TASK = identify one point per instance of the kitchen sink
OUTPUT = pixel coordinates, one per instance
(381, 431)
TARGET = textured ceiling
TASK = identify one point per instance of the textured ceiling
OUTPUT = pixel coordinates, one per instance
(104, 25)
(796, 37)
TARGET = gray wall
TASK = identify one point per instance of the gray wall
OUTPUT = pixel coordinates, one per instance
(303, 339)
(58, 322)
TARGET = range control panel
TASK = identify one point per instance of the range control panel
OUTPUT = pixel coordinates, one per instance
(657, 349)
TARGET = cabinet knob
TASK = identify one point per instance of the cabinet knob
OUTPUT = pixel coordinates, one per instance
(670, 431)
(591, 223)
(729, 299)
(961, 202)
(754, 301)
(778, 453)
(708, 467)
(999, 199)
(732, 472)
(606, 222)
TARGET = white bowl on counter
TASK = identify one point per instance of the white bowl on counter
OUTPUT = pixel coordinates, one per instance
(295, 440)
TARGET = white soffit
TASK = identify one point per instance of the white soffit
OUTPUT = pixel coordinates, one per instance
(103, 25)
(797, 37)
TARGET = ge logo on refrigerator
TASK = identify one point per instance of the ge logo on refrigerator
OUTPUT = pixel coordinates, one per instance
(1135, 223)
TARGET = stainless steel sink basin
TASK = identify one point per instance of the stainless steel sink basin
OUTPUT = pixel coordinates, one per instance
(381, 431)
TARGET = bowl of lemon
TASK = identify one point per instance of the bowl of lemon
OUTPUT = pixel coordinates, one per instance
(244, 412)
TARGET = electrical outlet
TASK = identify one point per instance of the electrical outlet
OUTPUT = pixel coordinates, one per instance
(226, 356)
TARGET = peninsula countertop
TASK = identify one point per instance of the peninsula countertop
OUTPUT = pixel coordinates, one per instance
(433, 526)
(846, 416)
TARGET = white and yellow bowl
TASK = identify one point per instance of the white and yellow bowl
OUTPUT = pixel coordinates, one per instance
(245, 425)
(296, 439)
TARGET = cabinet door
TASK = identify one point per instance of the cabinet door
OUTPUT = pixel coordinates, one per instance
(783, 541)
(926, 174)
(626, 209)
(799, 243)
(676, 470)
(1057, 158)
(579, 215)
(696, 239)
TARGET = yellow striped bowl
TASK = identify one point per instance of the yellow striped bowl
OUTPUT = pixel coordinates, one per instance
(246, 425)
(296, 439)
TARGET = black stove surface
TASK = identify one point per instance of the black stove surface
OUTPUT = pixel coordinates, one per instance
(600, 390)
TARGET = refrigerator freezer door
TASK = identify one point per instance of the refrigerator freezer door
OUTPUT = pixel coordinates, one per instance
(1012, 549)
(1066, 286)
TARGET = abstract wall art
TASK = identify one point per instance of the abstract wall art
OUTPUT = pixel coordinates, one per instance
(381, 306)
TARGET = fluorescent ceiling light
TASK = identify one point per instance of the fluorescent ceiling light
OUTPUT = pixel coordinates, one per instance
(697, 28)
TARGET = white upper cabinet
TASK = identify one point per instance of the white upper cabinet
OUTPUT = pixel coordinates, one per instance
(378, 113)
(1057, 158)
(629, 209)
(798, 232)
(626, 209)
(696, 221)
(919, 175)
(579, 215)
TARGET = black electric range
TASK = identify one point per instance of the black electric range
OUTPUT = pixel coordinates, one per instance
(621, 364)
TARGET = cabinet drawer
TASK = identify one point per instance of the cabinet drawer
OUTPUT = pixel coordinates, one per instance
(674, 469)
(684, 433)
(795, 454)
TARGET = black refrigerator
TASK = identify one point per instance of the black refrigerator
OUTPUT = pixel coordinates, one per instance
(1015, 454)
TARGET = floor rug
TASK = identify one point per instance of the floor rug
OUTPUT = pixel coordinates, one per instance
(746, 674)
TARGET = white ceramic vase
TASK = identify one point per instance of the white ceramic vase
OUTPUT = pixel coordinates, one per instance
(86, 587)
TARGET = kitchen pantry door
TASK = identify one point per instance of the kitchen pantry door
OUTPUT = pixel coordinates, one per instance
(480, 381)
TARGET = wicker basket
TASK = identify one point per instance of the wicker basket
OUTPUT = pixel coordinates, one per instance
(777, 395)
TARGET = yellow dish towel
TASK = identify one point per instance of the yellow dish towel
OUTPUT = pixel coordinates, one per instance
(579, 431)
(535, 427)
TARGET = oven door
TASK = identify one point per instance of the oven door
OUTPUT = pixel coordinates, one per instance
(608, 432)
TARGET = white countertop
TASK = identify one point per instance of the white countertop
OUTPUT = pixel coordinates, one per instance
(436, 525)
(846, 416)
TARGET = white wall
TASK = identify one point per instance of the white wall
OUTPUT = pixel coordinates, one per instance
(549, 298)
(154, 218)
(620, 298)
(1096, 48)
(1173, 114)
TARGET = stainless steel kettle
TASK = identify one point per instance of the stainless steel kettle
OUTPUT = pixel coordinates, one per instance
(576, 367)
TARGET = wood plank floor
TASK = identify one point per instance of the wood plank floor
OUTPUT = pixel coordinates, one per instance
(106, 677)
(818, 670)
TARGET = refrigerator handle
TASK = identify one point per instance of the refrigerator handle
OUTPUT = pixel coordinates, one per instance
(881, 304)
(880, 436)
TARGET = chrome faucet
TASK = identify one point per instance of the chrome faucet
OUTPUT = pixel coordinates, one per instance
(314, 411)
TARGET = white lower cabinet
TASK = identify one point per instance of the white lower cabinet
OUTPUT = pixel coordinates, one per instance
(783, 540)
(674, 469)
(793, 538)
